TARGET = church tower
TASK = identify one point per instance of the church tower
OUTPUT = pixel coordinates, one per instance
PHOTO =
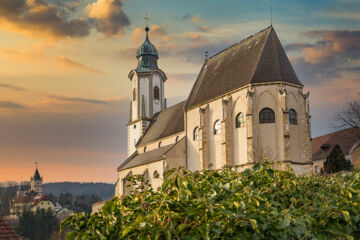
(147, 82)
(36, 182)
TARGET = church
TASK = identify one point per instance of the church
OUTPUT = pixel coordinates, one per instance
(246, 106)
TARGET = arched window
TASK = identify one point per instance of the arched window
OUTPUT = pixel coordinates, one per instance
(292, 117)
(217, 127)
(156, 175)
(156, 93)
(239, 120)
(146, 177)
(159, 145)
(177, 139)
(134, 94)
(196, 134)
(266, 115)
(144, 149)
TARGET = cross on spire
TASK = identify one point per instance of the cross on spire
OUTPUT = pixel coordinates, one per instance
(36, 164)
(146, 19)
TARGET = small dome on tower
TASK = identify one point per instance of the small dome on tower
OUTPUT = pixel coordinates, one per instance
(147, 48)
(147, 55)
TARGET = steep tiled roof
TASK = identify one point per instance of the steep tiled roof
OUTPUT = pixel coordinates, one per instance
(257, 59)
(6, 232)
(145, 158)
(168, 122)
(322, 146)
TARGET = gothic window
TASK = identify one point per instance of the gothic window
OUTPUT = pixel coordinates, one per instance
(156, 175)
(196, 134)
(156, 93)
(217, 127)
(127, 184)
(266, 115)
(239, 120)
(134, 94)
(292, 117)
(146, 177)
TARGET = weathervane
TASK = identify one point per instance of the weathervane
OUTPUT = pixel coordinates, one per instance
(146, 19)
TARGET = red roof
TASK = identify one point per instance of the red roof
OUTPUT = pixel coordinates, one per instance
(42, 198)
(322, 146)
(6, 232)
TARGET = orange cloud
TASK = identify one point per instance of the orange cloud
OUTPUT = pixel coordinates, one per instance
(156, 32)
(66, 62)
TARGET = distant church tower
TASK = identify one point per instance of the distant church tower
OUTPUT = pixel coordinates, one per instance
(147, 82)
(36, 181)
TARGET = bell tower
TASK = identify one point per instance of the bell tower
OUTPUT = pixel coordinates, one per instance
(147, 97)
(36, 181)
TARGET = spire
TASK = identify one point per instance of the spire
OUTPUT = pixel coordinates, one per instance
(36, 173)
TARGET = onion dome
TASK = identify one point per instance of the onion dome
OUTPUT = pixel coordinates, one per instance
(147, 55)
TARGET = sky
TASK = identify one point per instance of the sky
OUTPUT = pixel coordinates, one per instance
(64, 90)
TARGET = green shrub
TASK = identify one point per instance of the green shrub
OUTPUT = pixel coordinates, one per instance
(260, 203)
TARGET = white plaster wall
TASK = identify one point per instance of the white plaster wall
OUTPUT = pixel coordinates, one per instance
(266, 136)
(215, 141)
(156, 81)
(240, 137)
(144, 90)
(134, 135)
(192, 146)
(151, 167)
(296, 102)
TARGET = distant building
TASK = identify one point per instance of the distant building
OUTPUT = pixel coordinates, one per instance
(29, 196)
(322, 146)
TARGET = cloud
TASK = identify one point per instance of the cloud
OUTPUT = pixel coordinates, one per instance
(58, 19)
(38, 16)
(54, 97)
(64, 61)
(108, 15)
(334, 56)
(299, 46)
(201, 25)
(193, 18)
(78, 100)
(341, 15)
(156, 32)
(11, 105)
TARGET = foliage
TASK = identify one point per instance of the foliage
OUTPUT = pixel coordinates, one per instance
(336, 161)
(38, 225)
(79, 203)
(260, 203)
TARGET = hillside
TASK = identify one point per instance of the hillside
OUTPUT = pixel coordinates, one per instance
(104, 190)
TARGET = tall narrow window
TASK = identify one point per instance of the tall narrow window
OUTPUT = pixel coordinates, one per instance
(196, 134)
(134, 94)
(292, 117)
(159, 145)
(156, 93)
(239, 120)
(217, 127)
(266, 115)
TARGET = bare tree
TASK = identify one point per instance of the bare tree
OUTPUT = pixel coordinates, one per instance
(349, 117)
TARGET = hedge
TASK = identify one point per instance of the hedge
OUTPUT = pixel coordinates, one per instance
(259, 203)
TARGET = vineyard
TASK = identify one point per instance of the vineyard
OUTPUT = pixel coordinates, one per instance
(260, 203)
